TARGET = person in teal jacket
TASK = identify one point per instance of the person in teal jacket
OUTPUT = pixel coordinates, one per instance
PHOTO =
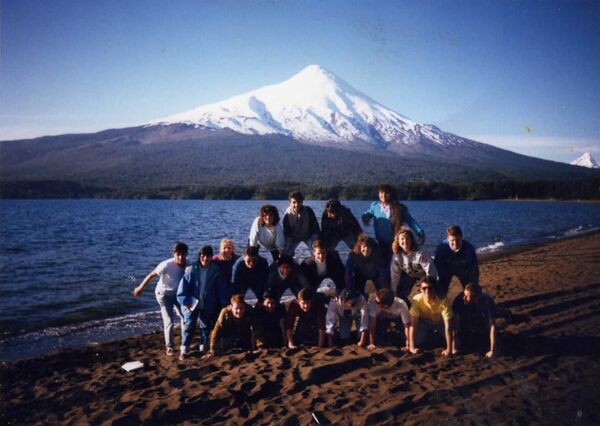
(200, 295)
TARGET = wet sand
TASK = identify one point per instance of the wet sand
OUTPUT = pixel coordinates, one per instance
(547, 370)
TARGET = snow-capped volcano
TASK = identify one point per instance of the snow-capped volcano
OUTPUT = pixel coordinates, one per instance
(313, 106)
(586, 160)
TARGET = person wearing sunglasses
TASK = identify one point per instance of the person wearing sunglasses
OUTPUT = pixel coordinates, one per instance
(430, 319)
(383, 309)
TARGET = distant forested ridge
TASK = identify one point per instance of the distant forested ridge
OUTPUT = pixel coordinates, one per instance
(584, 189)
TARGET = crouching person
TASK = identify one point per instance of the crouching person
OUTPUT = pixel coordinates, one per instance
(198, 295)
(384, 308)
(269, 322)
(305, 323)
(474, 321)
(233, 329)
(430, 318)
(349, 307)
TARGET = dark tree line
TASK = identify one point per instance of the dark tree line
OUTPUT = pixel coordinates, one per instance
(586, 189)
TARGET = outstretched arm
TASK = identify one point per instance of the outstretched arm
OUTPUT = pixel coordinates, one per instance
(138, 290)
(448, 333)
(490, 354)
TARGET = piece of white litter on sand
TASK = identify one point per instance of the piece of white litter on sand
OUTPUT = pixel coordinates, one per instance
(132, 365)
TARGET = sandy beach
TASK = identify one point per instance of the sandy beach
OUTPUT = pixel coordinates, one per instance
(547, 370)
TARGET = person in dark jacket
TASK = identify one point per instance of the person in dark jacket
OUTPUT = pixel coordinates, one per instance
(299, 224)
(285, 274)
(365, 264)
(250, 272)
(456, 257)
(198, 295)
(323, 264)
(338, 224)
(225, 259)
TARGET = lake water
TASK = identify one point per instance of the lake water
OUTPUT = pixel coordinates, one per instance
(67, 267)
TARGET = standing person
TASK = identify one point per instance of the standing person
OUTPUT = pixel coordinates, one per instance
(199, 298)
(233, 329)
(430, 317)
(339, 224)
(269, 322)
(408, 264)
(385, 307)
(305, 324)
(250, 272)
(349, 307)
(267, 232)
(323, 264)
(388, 216)
(364, 264)
(285, 274)
(169, 272)
(299, 224)
(225, 260)
(475, 321)
(455, 256)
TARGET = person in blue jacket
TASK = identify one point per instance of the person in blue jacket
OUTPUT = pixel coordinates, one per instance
(455, 256)
(389, 215)
(201, 292)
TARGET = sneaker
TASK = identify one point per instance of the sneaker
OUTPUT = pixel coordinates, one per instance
(170, 351)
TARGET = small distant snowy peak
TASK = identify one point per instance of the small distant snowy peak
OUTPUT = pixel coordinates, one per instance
(314, 106)
(586, 160)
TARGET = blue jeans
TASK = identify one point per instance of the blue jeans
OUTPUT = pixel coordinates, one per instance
(168, 305)
(189, 325)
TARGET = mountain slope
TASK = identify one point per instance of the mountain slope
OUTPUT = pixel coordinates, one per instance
(586, 160)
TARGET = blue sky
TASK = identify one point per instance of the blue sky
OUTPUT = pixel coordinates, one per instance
(521, 75)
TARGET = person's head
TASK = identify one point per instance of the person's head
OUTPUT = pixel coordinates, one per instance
(305, 299)
(319, 250)
(349, 298)
(296, 200)
(428, 287)
(269, 301)
(251, 256)
(368, 246)
(386, 193)
(285, 264)
(455, 237)
(238, 306)
(226, 249)
(471, 294)
(384, 297)
(360, 241)
(180, 252)
(268, 215)
(205, 256)
(333, 208)
(404, 241)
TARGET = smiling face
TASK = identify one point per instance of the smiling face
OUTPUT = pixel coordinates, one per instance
(285, 270)
(227, 251)
(237, 309)
(366, 250)
(320, 254)
(384, 197)
(180, 258)
(404, 242)
(268, 219)
(296, 205)
(269, 305)
(205, 260)
(305, 305)
(455, 242)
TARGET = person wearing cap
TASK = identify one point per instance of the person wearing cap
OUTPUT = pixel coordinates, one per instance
(365, 264)
(305, 322)
(347, 308)
(455, 256)
(285, 274)
(338, 224)
(169, 273)
(474, 321)
(269, 322)
(250, 272)
(323, 263)
(382, 309)
(299, 224)
(430, 318)
(198, 295)
(233, 329)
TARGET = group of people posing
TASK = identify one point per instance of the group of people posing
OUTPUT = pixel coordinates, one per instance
(358, 301)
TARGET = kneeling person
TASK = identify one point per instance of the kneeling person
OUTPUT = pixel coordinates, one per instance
(475, 321)
(350, 306)
(269, 322)
(233, 329)
(305, 323)
(430, 316)
(389, 308)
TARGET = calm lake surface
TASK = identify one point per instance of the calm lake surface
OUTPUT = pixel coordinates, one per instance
(67, 267)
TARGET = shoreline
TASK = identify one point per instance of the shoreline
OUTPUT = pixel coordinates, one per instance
(547, 369)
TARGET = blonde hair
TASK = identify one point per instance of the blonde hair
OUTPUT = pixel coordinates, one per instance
(226, 242)
(396, 243)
